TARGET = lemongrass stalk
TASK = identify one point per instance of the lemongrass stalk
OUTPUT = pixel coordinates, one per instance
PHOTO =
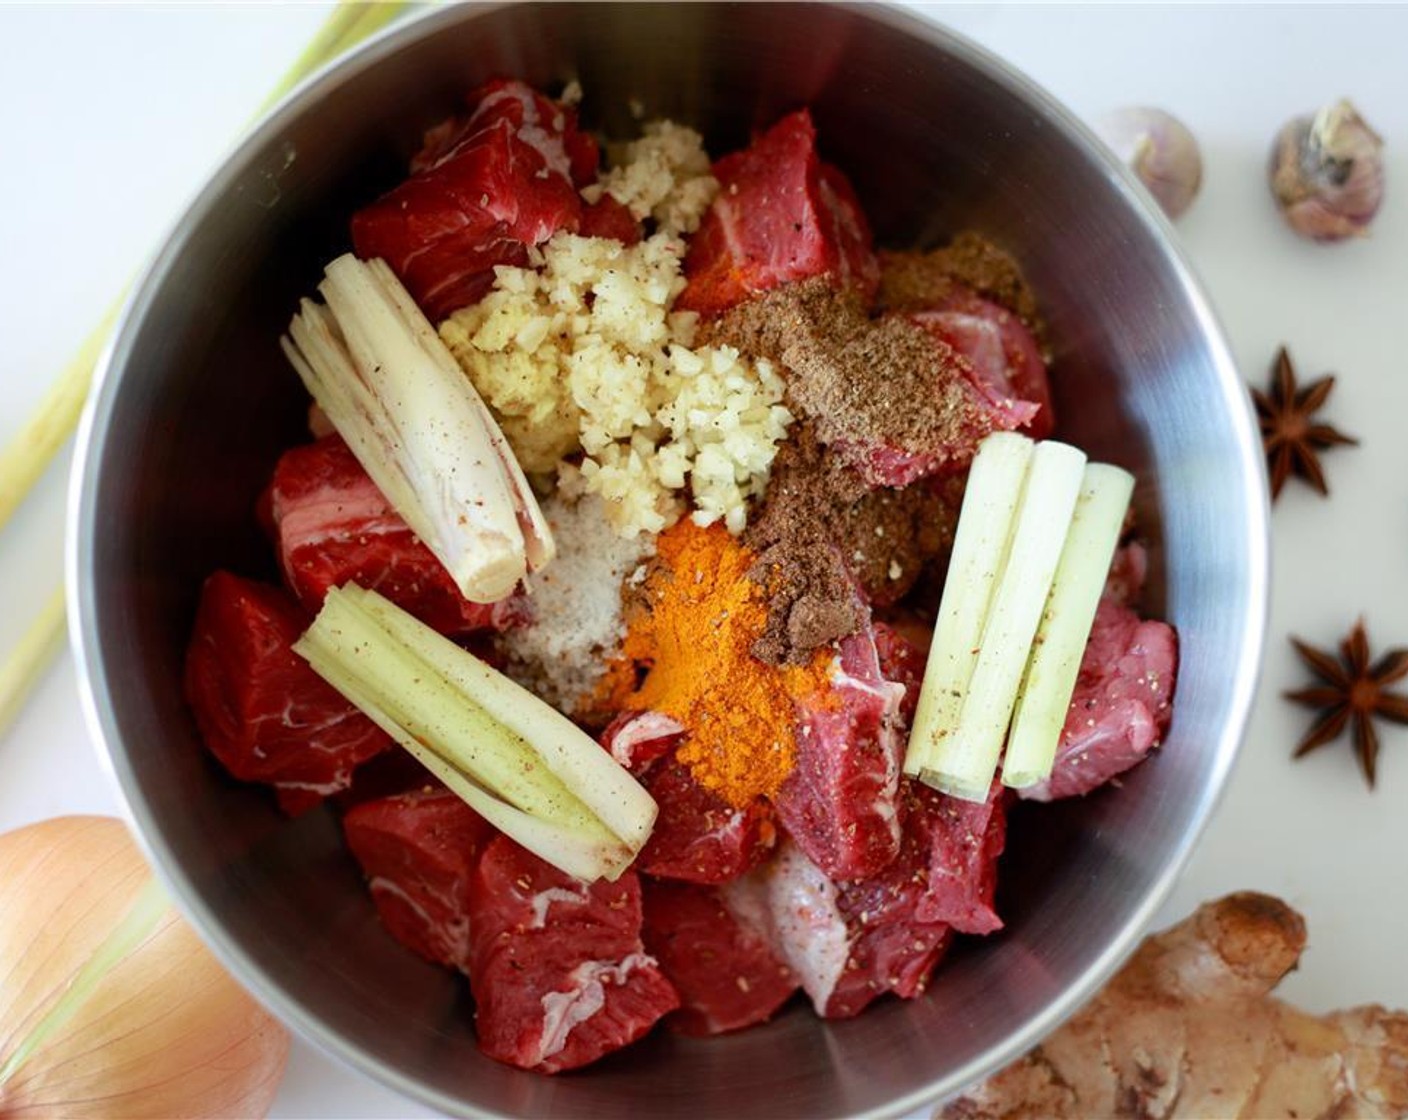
(385, 380)
(524, 767)
(965, 762)
(1050, 678)
(28, 454)
(979, 553)
(26, 663)
(135, 927)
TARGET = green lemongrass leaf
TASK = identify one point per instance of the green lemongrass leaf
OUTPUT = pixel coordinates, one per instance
(980, 549)
(37, 648)
(965, 762)
(607, 790)
(1050, 678)
(136, 926)
(373, 668)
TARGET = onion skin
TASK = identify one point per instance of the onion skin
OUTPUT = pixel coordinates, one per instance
(166, 1032)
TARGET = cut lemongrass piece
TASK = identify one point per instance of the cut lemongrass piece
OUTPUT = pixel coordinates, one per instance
(966, 761)
(1050, 679)
(979, 552)
(524, 767)
(384, 379)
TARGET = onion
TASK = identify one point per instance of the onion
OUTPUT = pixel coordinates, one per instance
(109, 1003)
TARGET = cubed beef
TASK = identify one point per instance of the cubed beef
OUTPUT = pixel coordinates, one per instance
(481, 193)
(903, 662)
(608, 218)
(1004, 362)
(781, 215)
(848, 943)
(559, 973)
(839, 802)
(963, 840)
(698, 836)
(261, 709)
(726, 973)
(1122, 703)
(639, 739)
(333, 526)
(417, 851)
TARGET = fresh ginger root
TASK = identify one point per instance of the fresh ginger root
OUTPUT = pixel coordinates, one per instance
(1188, 1028)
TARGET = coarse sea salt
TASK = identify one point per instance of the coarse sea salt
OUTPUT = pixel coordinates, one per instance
(563, 655)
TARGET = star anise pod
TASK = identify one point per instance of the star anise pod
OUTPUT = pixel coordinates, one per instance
(1351, 690)
(1291, 437)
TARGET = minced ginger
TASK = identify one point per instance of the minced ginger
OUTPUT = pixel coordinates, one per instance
(581, 351)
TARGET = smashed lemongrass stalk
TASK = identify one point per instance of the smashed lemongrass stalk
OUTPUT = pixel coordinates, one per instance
(523, 766)
(28, 660)
(966, 760)
(1050, 679)
(392, 390)
(979, 553)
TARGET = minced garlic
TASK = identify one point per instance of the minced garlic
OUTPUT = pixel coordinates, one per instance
(585, 352)
(664, 175)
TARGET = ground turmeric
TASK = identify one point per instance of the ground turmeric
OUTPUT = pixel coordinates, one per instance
(691, 634)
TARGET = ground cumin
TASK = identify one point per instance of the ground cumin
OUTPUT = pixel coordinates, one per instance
(911, 281)
(691, 632)
(863, 382)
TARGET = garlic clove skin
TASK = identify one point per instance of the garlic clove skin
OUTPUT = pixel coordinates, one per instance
(1327, 173)
(1160, 150)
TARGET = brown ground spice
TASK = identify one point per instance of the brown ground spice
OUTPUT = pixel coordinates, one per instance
(884, 381)
(821, 529)
(912, 281)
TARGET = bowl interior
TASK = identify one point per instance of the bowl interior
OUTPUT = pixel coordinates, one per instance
(198, 403)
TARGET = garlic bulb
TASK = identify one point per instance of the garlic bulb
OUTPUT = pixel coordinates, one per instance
(110, 1005)
(1327, 173)
(1160, 150)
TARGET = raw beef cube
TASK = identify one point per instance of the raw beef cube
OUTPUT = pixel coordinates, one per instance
(559, 972)
(333, 526)
(963, 840)
(780, 215)
(608, 218)
(726, 973)
(1121, 707)
(639, 739)
(839, 803)
(850, 942)
(417, 851)
(481, 193)
(1003, 359)
(903, 662)
(261, 709)
(698, 836)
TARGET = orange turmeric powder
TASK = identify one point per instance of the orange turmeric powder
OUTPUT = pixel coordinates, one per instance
(693, 632)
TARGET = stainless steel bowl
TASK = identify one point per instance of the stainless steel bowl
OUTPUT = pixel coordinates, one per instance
(196, 403)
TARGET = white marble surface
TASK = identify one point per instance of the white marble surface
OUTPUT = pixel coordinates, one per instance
(111, 116)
